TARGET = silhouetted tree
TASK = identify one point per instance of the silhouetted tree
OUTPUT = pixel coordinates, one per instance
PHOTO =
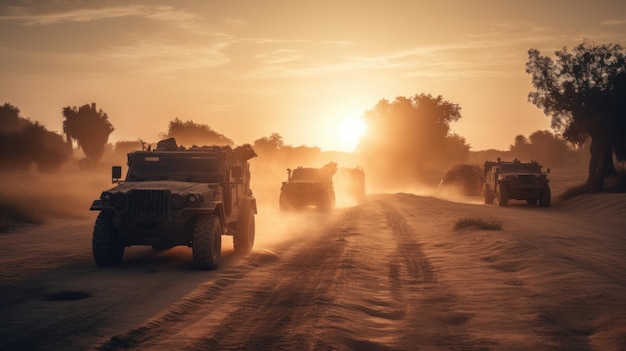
(10, 120)
(584, 91)
(189, 133)
(24, 143)
(268, 145)
(542, 146)
(89, 127)
(410, 137)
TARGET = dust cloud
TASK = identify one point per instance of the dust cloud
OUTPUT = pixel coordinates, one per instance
(36, 198)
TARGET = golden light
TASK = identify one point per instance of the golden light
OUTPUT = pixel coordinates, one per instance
(350, 129)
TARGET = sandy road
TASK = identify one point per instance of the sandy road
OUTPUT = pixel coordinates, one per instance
(389, 274)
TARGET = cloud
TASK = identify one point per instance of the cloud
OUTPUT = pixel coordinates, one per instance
(614, 22)
(155, 12)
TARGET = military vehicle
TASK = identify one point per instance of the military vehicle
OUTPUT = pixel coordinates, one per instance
(350, 183)
(173, 196)
(464, 179)
(516, 180)
(307, 186)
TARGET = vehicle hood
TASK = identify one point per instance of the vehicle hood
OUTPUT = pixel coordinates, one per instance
(173, 186)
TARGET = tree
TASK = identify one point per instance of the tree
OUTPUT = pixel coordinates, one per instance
(269, 145)
(89, 127)
(24, 143)
(410, 138)
(584, 92)
(10, 120)
(192, 133)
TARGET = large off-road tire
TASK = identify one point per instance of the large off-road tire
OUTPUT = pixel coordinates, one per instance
(546, 197)
(284, 201)
(243, 240)
(487, 197)
(207, 242)
(107, 246)
(502, 197)
(327, 203)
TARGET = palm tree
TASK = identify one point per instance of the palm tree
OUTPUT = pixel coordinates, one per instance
(89, 127)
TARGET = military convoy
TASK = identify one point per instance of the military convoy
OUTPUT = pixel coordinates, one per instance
(516, 180)
(306, 186)
(173, 196)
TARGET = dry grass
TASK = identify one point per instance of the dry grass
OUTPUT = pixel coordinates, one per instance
(480, 223)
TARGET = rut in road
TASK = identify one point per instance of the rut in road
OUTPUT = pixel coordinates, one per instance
(358, 281)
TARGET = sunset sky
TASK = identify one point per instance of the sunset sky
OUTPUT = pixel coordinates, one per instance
(303, 69)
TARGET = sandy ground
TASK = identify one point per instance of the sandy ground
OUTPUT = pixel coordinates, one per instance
(390, 273)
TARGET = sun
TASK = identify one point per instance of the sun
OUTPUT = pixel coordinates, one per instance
(350, 129)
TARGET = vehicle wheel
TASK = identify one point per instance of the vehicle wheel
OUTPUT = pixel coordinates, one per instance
(545, 197)
(327, 203)
(531, 201)
(108, 249)
(284, 201)
(207, 242)
(487, 197)
(502, 196)
(243, 240)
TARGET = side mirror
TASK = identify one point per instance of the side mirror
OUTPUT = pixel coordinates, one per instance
(236, 172)
(548, 170)
(116, 174)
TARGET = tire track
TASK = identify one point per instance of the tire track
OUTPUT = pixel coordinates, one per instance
(261, 304)
(434, 320)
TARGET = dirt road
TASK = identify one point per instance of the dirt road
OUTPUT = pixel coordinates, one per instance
(389, 274)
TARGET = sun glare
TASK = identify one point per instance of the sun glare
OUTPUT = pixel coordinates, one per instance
(350, 129)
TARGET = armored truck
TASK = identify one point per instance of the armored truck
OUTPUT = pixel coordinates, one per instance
(516, 180)
(306, 186)
(172, 196)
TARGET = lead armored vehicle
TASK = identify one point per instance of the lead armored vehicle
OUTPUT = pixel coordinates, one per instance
(516, 180)
(174, 196)
(308, 187)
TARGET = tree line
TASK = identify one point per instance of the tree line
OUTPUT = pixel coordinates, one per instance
(409, 138)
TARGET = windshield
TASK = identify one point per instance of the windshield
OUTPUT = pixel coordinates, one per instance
(520, 168)
(309, 174)
(176, 166)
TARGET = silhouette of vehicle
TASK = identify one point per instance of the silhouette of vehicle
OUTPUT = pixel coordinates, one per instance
(309, 187)
(516, 180)
(466, 179)
(173, 196)
(350, 182)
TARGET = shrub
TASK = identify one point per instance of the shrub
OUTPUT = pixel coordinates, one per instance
(480, 223)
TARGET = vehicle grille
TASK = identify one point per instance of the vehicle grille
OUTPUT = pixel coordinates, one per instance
(526, 179)
(149, 205)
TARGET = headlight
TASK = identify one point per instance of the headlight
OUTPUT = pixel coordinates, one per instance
(178, 201)
(193, 198)
(106, 196)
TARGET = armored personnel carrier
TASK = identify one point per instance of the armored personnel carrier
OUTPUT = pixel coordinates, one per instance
(516, 180)
(174, 196)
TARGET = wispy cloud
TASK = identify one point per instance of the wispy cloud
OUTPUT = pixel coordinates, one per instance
(614, 22)
(157, 57)
(155, 12)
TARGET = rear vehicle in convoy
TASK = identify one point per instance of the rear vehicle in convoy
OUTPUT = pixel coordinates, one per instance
(503, 181)
(174, 196)
(309, 187)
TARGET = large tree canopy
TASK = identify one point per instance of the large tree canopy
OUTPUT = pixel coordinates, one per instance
(189, 133)
(584, 91)
(410, 138)
(544, 146)
(89, 127)
(24, 143)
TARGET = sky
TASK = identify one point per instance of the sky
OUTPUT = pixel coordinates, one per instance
(304, 69)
